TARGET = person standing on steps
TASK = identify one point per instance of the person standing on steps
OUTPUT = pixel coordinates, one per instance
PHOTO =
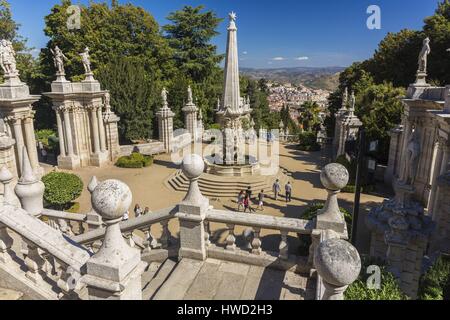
(261, 200)
(137, 211)
(240, 200)
(288, 189)
(276, 188)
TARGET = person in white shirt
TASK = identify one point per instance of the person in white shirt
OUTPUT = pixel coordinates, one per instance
(288, 192)
(276, 188)
(126, 216)
(137, 211)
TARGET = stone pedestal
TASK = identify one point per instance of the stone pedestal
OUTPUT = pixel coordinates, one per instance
(394, 154)
(17, 113)
(87, 136)
(192, 212)
(190, 119)
(165, 125)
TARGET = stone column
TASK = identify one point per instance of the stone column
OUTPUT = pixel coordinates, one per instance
(436, 172)
(394, 155)
(95, 130)
(62, 145)
(115, 271)
(406, 135)
(7, 156)
(68, 131)
(192, 212)
(18, 136)
(30, 141)
(165, 124)
(442, 171)
(101, 127)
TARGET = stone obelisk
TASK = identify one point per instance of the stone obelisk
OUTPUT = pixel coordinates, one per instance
(233, 108)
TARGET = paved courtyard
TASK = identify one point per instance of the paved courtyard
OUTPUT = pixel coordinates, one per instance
(149, 189)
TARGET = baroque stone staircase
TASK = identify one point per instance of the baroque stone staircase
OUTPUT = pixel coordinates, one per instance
(220, 280)
(226, 187)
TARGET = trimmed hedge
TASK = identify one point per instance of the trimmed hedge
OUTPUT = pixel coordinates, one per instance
(135, 161)
(435, 284)
(61, 189)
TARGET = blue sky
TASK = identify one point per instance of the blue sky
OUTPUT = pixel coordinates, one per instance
(275, 33)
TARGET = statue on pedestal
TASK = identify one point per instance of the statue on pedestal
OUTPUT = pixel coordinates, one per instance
(86, 60)
(8, 58)
(58, 60)
(190, 99)
(423, 57)
(164, 94)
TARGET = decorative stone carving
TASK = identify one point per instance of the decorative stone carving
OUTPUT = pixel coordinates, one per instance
(8, 59)
(86, 60)
(423, 56)
(58, 60)
(412, 157)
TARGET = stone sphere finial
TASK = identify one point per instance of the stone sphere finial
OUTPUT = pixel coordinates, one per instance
(111, 199)
(334, 177)
(337, 262)
(193, 166)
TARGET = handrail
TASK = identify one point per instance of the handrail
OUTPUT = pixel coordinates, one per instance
(44, 237)
(266, 222)
(129, 226)
(64, 215)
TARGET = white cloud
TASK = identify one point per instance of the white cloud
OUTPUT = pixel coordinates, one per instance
(245, 53)
(278, 59)
(302, 58)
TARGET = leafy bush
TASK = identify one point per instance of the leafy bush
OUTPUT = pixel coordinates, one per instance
(435, 284)
(47, 138)
(214, 126)
(310, 214)
(389, 290)
(135, 161)
(308, 142)
(61, 189)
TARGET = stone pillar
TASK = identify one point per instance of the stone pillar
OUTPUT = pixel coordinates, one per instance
(101, 128)
(440, 240)
(112, 135)
(95, 130)
(7, 156)
(165, 124)
(30, 142)
(192, 212)
(68, 132)
(115, 271)
(62, 144)
(394, 154)
(18, 136)
(190, 116)
(406, 136)
(436, 172)
(338, 264)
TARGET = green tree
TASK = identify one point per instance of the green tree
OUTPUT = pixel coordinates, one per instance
(134, 97)
(309, 116)
(61, 189)
(189, 35)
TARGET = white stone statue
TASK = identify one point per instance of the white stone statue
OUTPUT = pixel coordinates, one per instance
(190, 99)
(8, 58)
(412, 157)
(58, 60)
(423, 57)
(86, 60)
(233, 16)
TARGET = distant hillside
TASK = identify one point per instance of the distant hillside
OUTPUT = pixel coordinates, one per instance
(316, 78)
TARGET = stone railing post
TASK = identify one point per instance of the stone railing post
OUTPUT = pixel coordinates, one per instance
(334, 178)
(9, 196)
(192, 212)
(30, 190)
(338, 264)
(114, 272)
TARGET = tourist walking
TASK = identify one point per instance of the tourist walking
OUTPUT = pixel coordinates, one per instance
(276, 189)
(288, 189)
(261, 200)
(248, 205)
(240, 200)
(137, 211)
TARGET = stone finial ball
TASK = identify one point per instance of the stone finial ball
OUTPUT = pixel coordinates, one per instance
(193, 166)
(337, 262)
(111, 199)
(334, 177)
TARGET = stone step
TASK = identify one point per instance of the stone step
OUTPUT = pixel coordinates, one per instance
(10, 295)
(158, 277)
(180, 280)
